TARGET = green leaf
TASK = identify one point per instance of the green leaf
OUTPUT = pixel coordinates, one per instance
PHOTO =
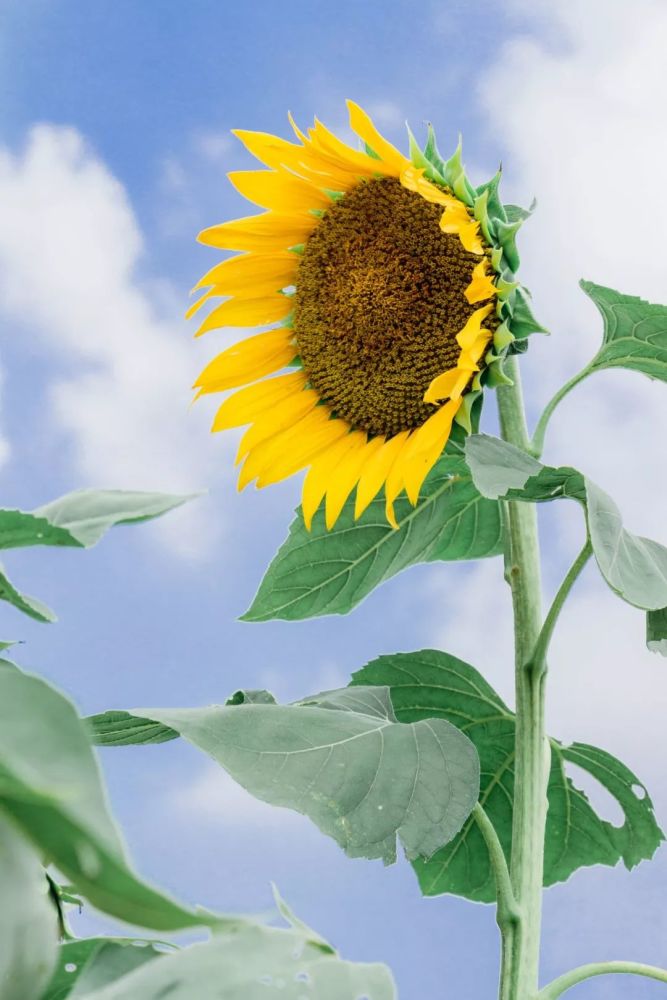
(28, 605)
(635, 332)
(50, 787)
(329, 572)
(89, 964)
(81, 518)
(121, 729)
(362, 778)
(515, 213)
(434, 685)
(28, 919)
(634, 567)
(248, 965)
(656, 631)
(523, 323)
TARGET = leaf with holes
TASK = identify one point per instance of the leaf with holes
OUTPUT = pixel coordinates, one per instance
(435, 685)
(634, 567)
(342, 759)
(90, 963)
(252, 962)
(329, 572)
(635, 332)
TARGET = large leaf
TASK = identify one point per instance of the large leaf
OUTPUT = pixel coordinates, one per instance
(90, 963)
(329, 572)
(28, 919)
(633, 566)
(80, 519)
(50, 787)
(435, 685)
(249, 965)
(635, 332)
(341, 759)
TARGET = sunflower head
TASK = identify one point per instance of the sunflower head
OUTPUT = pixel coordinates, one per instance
(386, 286)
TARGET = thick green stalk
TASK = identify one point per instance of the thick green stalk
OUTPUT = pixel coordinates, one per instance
(522, 570)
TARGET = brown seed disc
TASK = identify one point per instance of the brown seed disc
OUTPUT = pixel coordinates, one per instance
(379, 302)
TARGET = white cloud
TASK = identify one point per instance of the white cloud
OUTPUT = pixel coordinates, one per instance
(70, 253)
(573, 111)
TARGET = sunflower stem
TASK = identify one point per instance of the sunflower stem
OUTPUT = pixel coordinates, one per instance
(521, 949)
(535, 446)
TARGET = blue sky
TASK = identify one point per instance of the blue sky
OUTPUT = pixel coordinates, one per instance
(114, 143)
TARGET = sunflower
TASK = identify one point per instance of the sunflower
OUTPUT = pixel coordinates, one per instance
(386, 284)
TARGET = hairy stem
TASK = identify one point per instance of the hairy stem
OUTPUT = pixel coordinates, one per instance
(536, 446)
(507, 911)
(522, 569)
(564, 982)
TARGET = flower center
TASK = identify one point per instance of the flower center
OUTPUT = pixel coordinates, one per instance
(379, 302)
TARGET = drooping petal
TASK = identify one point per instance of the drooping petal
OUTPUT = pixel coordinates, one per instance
(265, 232)
(247, 312)
(362, 124)
(481, 286)
(395, 481)
(473, 338)
(347, 475)
(279, 191)
(247, 361)
(318, 478)
(292, 449)
(375, 471)
(412, 179)
(247, 404)
(426, 446)
(281, 416)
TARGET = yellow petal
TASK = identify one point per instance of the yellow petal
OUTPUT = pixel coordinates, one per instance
(247, 361)
(450, 384)
(279, 191)
(412, 178)
(395, 481)
(248, 403)
(362, 124)
(292, 449)
(248, 312)
(275, 152)
(470, 237)
(481, 286)
(269, 149)
(471, 332)
(347, 475)
(277, 419)
(426, 447)
(251, 273)
(376, 470)
(266, 232)
(334, 150)
(319, 476)
(454, 217)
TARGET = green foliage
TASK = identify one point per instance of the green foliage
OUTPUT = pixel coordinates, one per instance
(417, 781)
(76, 520)
(634, 567)
(91, 963)
(635, 332)
(329, 572)
(251, 962)
(50, 788)
(28, 919)
(656, 631)
(434, 685)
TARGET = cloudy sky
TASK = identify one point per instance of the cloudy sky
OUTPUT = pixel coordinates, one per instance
(114, 142)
